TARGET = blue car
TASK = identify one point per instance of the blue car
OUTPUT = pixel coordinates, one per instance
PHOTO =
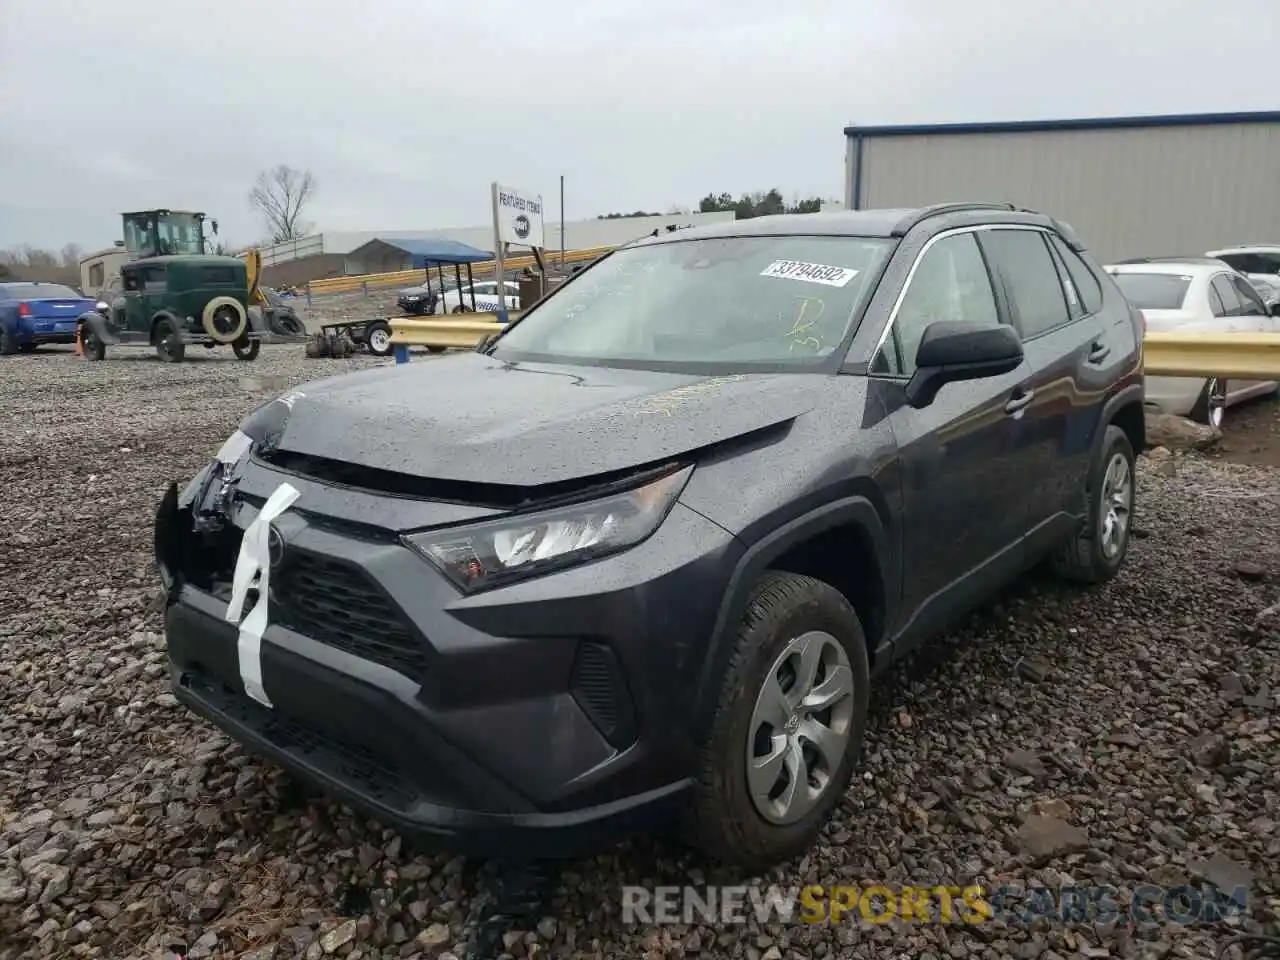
(32, 313)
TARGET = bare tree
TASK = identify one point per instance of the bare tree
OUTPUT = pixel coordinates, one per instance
(280, 195)
(71, 255)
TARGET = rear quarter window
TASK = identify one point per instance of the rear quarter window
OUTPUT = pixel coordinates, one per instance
(1083, 290)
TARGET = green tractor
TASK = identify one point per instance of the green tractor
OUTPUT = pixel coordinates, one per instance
(175, 293)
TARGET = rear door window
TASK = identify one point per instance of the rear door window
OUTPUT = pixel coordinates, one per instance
(1030, 277)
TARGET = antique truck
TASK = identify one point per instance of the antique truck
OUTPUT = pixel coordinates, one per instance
(173, 292)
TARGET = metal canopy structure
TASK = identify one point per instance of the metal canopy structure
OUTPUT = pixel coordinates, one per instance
(436, 252)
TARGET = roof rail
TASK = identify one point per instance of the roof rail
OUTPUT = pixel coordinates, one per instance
(916, 217)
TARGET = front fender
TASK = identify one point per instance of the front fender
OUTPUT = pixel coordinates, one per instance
(101, 329)
(756, 560)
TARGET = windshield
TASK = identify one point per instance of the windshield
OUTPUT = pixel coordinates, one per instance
(175, 233)
(1153, 291)
(736, 301)
(40, 291)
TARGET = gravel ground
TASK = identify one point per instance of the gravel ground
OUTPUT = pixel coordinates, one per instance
(1144, 714)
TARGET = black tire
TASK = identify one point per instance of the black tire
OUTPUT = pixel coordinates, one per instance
(722, 820)
(28, 347)
(169, 345)
(246, 349)
(377, 337)
(462, 308)
(435, 349)
(8, 344)
(286, 324)
(1212, 398)
(91, 347)
(1082, 558)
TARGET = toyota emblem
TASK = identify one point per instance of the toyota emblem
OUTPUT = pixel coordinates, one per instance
(275, 546)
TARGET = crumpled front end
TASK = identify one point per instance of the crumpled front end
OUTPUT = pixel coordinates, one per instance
(542, 712)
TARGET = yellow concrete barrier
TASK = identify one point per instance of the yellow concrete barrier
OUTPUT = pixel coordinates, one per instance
(1237, 356)
(405, 278)
(416, 332)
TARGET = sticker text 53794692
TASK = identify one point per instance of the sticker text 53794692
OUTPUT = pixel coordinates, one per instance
(810, 272)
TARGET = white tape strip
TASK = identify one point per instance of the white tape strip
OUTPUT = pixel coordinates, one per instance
(253, 568)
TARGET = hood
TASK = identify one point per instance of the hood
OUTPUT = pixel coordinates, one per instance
(472, 418)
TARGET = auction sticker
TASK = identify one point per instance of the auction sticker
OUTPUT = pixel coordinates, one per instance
(810, 272)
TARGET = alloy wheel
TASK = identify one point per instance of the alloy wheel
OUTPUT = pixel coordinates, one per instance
(1117, 502)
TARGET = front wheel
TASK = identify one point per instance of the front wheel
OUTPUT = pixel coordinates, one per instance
(169, 345)
(1096, 552)
(788, 726)
(246, 349)
(378, 336)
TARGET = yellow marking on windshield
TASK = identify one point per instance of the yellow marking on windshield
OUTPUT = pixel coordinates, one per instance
(808, 312)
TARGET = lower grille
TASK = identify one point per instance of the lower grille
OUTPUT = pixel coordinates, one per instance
(336, 604)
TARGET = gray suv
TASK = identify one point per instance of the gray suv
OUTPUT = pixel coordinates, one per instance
(634, 564)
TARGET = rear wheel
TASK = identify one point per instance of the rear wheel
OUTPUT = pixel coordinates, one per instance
(91, 346)
(8, 344)
(27, 347)
(1095, 554)
(461, 308)
(169, 345)
(246, 349)
(378, 336)
(1211, 407)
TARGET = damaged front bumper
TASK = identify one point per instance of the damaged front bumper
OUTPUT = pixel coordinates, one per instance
(551, 713)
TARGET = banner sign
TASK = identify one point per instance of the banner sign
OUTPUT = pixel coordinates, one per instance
(517, 216)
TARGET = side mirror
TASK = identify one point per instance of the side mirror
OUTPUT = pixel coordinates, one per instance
(953, 351)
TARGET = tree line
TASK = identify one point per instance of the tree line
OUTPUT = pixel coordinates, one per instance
(759, 203)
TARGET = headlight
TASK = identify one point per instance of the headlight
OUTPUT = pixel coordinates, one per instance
(515, 547)
(101, 305)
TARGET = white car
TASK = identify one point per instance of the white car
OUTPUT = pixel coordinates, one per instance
(486, 297)
(1259, 262)
(1196, 294)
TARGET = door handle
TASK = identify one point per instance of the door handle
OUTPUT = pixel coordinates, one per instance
(1098, 351)
(1019, 400)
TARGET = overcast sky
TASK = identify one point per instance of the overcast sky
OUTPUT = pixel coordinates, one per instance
(406, 110)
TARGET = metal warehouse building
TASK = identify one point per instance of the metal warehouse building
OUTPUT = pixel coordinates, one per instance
(1131, 186)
